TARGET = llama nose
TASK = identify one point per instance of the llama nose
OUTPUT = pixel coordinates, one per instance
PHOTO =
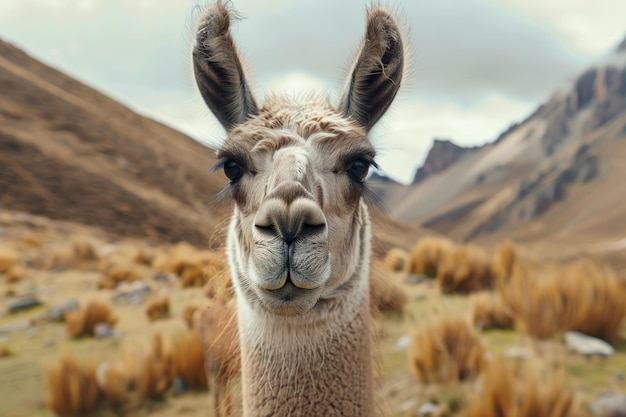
(301, 218)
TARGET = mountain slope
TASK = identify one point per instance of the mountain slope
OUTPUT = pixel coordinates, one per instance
(69, 152)
(555, 174)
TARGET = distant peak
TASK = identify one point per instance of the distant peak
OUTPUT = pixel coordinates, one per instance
(622, 46)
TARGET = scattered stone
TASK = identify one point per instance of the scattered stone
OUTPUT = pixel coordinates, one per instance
(609, 404)
(165, 277)
(619, 376)
(57, 313)
(587, 345)
(518, 353)
(12, 328)
(49, 342)
(179, 385)
(131, 293)
(103, 331)
(402, 343)
(427, 409)
(414, 279)
(23, 304)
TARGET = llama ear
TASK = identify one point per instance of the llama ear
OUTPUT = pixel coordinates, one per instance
(377, 72)
(218, 71)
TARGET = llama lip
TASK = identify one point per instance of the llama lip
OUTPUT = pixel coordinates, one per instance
(289, 300)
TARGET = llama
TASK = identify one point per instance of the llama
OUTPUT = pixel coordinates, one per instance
(299, 239)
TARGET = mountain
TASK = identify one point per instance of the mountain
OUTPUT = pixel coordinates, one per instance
(69, 152)
(556, 175)
(442, 154)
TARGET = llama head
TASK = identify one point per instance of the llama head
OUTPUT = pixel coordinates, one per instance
(298, 236)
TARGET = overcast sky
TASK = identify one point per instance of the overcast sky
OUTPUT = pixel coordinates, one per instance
(477, 65)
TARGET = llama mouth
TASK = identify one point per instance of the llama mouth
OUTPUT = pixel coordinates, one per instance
(289, 300)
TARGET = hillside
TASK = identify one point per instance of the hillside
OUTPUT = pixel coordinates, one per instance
(556, 175)
(69, 152)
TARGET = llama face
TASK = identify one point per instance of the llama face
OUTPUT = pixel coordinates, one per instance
(297, 180)
(296, 169)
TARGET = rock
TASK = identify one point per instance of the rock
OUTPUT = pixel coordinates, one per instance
(587, 345)
(518, 353)
(23, 304)
(57, 313)
(414, 279)
(103, 331)
(609, 404)
(49, 342)
(179, 385)
(164, 277)
(12, 328)
(133, 293)
(402, 343)
(427, 409)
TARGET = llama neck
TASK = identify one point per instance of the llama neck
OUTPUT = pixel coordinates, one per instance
(305, 372)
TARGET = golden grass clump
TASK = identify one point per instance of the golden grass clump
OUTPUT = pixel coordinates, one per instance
(143, 257)
(582, 296)
(465, 269)
(446, 350)
(188, 315)
(504, 259)
(8, 258)
(10, 292)
(114, 382)
(17, 273)
(505, 391)
(82, 322)
(157, 371)
(188, 359)
(85, 251)
(116, 273)
(158, 308)
(385, 295)
(488, 311)
(427, 255)
(73, 387)
(397, 260)
(195, 267)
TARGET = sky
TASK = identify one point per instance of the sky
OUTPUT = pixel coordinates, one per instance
(476, 66)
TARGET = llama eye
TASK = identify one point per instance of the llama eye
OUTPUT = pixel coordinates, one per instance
(359, 169)
(232, 171)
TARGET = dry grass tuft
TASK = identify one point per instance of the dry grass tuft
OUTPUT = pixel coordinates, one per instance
(10, 292)
(488, 311)
(143, 257)
(582, 296)
(159, 308)
(114, 382)
(397, 260)
(85, 251)
(188, 315)
(82, 322)
(504, 259)
(427, 255)
(114, 274)
(465, 269)
(193, 266)
(446, 350)
(157, 370)
(17, 273)
(188, 357)
(73, 387)
(8, 258)
(385, 295)
(524, 392)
